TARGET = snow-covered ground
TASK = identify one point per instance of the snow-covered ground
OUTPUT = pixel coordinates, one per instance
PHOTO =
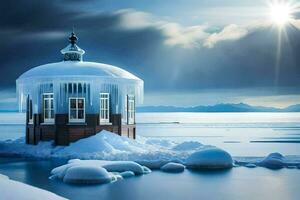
(153, 153)
(13, 190)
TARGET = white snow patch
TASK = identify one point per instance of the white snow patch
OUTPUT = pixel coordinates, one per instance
(96, 171)
(212, 158)
(173, 167)
(87, 175)
(14, 190)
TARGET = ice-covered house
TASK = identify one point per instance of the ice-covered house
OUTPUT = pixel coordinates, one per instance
(73, 99)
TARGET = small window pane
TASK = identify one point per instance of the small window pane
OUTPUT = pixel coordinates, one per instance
(80, 103)
(46, 103)
(51, 104)
(73, 114)
(73, 103)
(80, 114)
(46, 115)
(52, 114)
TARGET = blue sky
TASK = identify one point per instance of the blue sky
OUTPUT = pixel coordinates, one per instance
(188, 52)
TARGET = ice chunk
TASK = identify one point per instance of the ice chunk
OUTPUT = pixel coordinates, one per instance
(250, 165)
(173, 167)
(127, 174)
(188, 146)
(13, 190)
(273, 161)
(87, 175)
(212, 158)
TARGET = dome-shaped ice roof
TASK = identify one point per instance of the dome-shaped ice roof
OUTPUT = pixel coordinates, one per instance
(77, 69)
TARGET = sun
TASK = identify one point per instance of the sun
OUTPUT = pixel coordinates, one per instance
(281, 13)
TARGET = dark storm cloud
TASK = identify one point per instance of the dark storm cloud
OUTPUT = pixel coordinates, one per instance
(165, 55)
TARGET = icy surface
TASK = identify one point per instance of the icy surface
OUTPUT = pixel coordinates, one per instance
(173, 167)
(212, 158)
(149, 152)
(81, 79)
(14, 190)
(71, 68)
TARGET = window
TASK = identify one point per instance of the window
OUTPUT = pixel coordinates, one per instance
(131, 110)
(76, 110)
(48, 107)
(104, 108)
(30, 113)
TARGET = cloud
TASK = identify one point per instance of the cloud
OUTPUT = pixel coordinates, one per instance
(186, 37)
(132, 20)
(230, 32)
(165, 54)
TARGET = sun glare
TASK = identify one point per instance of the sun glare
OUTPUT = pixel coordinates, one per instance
(281, 13)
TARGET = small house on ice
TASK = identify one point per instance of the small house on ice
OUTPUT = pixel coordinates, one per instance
(73, 99)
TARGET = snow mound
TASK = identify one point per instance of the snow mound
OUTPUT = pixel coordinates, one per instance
(127, 174)
(96, 171)
(121, 166)
(173, 167)
(213, 158)
(103, 144)
(87, 175)
(160, 142)
(273, 161)
(14, 190)
(188, 146)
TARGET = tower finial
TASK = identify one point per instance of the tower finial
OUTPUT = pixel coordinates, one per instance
(73, 38)
(72, 52)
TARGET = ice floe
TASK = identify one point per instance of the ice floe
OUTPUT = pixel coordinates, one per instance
(173, 167)
(212, 158)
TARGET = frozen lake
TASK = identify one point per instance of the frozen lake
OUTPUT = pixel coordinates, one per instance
(237, 183)
(242, 134)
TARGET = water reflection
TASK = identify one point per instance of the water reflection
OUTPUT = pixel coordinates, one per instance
(236, 183)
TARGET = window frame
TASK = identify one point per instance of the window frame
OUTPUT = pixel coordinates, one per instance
(30, 111)
(130, 109)
(49, 109)
(107, 109)
(76, 120)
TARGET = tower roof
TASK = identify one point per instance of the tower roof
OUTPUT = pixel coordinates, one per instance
(72, 52)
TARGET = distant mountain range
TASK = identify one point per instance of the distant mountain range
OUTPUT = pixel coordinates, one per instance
(223, 107)
(240, 107)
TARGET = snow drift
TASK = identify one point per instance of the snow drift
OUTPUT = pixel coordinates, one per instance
(10, 189)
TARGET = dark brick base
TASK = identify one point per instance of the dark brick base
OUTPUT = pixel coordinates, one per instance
(63, 132)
